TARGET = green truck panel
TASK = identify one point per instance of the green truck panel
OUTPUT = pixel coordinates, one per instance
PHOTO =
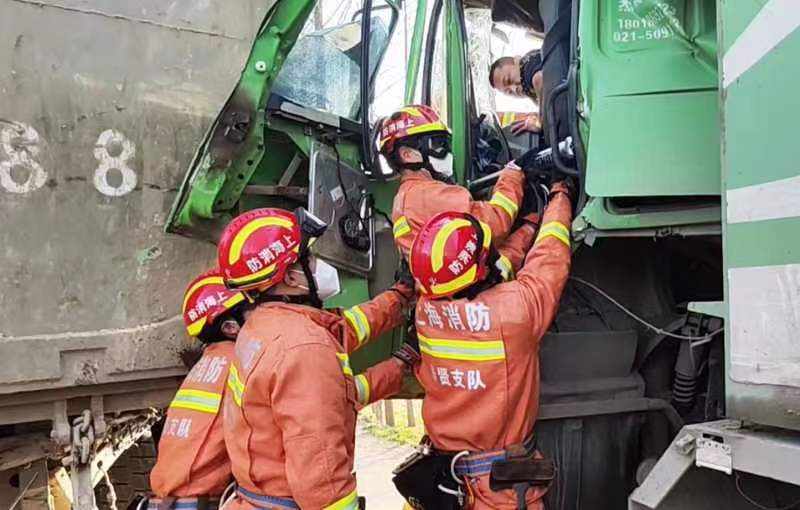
(658, 131)
(761, 178)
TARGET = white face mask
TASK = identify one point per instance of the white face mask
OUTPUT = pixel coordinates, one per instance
(327, 279)
(442, 166)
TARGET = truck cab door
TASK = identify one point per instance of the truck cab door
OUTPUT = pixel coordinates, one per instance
(301, 86)
(292, 133)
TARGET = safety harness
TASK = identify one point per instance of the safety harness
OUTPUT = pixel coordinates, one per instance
(193, 503)
(265, 502)
(432, 479)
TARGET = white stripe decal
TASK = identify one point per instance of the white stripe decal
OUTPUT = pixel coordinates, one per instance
(769, 201)
(776, 20)
(764, 321)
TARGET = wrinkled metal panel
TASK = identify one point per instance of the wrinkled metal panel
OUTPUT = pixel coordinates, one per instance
(102, 104)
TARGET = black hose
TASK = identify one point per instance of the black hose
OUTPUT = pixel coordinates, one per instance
(366, 26)
(430, 46)
(552, 132)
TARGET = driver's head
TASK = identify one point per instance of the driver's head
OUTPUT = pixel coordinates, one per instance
(415, 138)
(518, 76)
(505, 76)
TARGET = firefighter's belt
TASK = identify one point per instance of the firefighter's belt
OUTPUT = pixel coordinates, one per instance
(264, 501)
(194, 503)
(507, 474)
(480, 463)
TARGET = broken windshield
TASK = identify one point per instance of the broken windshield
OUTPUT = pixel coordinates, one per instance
(322, 71)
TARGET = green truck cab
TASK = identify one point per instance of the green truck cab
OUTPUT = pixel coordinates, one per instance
(657, 136)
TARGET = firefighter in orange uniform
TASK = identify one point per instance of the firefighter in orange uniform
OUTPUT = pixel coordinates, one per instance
(416, 143)
(193, 468)
(291, 416)
(479, 340)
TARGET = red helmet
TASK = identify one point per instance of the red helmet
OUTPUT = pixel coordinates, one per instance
(205, 299)
(408, 121)
(450, 253)
(257, 247)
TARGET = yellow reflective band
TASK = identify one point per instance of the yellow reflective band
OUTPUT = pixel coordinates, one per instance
(233, 301)
(427, 128)
(463, 350)
(505, 267)
(349, 502)
(439, 242)
(244, 234)
(211, 280)
(411, 110)
(344, 362)
(439, 289)
(358, 321)
(260, 275)
(554, 229)
(196, 327)
(362, 388)
(401, 227)
(508, 118)
(236, 385)
(487, 234)
(197, 400)
(504, 203)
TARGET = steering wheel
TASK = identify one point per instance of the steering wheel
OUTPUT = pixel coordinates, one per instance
(493, 123)
(490, 150)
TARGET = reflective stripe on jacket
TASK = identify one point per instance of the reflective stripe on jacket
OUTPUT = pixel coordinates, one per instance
(192, 460)
(290, 421)
(480, 357)
(420, 197)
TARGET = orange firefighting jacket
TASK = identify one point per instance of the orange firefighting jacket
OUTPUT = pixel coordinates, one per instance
(420, 197)
(480, 363)
(192, 460)
(290, 418)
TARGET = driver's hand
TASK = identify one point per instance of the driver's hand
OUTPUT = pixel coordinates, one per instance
(530, 124)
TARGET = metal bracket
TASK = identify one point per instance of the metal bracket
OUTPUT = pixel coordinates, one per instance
(61, 433)
(98, 416)
(713, 455)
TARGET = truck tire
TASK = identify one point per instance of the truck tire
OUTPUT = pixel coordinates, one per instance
(130, 476)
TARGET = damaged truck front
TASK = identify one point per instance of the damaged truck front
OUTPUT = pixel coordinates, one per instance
(101, 107)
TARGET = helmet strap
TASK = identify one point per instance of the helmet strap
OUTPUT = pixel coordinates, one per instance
(313, 297)
(493, 275)
(425, 164)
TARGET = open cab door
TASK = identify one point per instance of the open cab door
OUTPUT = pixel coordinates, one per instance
(294, 133)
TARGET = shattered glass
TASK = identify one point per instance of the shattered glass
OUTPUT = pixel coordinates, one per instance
(322, 71)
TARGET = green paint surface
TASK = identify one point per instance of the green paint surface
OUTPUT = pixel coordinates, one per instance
(760, 115)
(763, 243)
(654, 145)
(758, 146)
(736, 15)
(648, 78)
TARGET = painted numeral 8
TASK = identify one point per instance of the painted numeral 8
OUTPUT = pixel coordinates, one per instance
(20, 143)
(114, 151)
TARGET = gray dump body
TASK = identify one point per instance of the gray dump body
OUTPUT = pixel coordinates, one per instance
(102, 104)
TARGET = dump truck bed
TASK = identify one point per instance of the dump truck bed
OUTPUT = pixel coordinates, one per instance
(101, 107)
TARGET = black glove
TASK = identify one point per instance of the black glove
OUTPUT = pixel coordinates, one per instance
(403, 274)
(408, 353)
(526, 160)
